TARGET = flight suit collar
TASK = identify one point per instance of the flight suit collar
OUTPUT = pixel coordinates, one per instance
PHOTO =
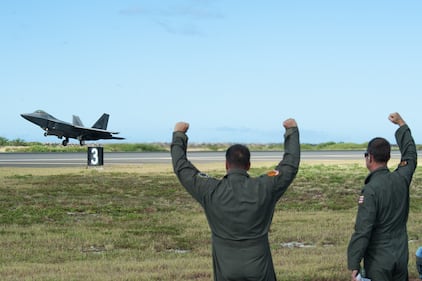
(236, 171)
(379, 171)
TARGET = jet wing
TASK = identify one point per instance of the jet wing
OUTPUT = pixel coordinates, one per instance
(95, 134)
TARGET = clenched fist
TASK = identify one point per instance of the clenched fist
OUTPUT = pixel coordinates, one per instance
(181, 127)
(396, 119)
(289, 123)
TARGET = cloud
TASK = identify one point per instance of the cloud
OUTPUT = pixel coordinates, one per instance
(183, 17)
(195, 11)
(185, 29)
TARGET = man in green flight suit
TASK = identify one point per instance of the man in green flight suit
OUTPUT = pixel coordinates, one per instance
(380, 236)
(239, 208)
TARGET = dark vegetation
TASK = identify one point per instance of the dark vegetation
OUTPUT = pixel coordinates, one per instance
(19, 145)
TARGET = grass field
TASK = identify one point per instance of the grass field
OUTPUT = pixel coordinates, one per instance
(138, 223)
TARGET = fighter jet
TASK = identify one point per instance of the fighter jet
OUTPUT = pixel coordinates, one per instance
(55, 127)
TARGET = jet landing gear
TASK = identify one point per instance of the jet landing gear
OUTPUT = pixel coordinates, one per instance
(65, 141)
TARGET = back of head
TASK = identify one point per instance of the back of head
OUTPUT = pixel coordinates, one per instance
(238, 156)
(380, 149)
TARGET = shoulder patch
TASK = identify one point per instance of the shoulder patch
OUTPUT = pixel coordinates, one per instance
(273, 173)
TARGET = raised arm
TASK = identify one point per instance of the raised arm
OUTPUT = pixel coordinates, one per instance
(291, 155)
(407, 147)
(287, 168)
(189, 176)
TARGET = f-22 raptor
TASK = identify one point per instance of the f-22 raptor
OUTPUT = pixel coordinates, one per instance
(55, 127)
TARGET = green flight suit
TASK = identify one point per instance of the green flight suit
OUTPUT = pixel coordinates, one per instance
(380, 236)
(239, 209)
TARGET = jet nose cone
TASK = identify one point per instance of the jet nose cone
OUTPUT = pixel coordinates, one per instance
(30, 117)
(25, 115)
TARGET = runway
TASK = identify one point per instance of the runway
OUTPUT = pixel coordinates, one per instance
(58, 159)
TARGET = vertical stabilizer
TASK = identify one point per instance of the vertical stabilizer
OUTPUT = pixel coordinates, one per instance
(77, 121)
(102, 122)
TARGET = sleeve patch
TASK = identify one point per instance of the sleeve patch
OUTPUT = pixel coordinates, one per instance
(361, 199)
(273, 173)
(202, 175)
(403, 163)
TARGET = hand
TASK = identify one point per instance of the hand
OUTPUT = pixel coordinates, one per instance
(181, 127)
(289, 123)
(354, 275)
(396, 119)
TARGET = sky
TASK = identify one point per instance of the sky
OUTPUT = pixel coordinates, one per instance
(235, 70)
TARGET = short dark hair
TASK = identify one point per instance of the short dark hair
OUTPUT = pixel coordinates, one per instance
(380, 149)
(238, 155)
